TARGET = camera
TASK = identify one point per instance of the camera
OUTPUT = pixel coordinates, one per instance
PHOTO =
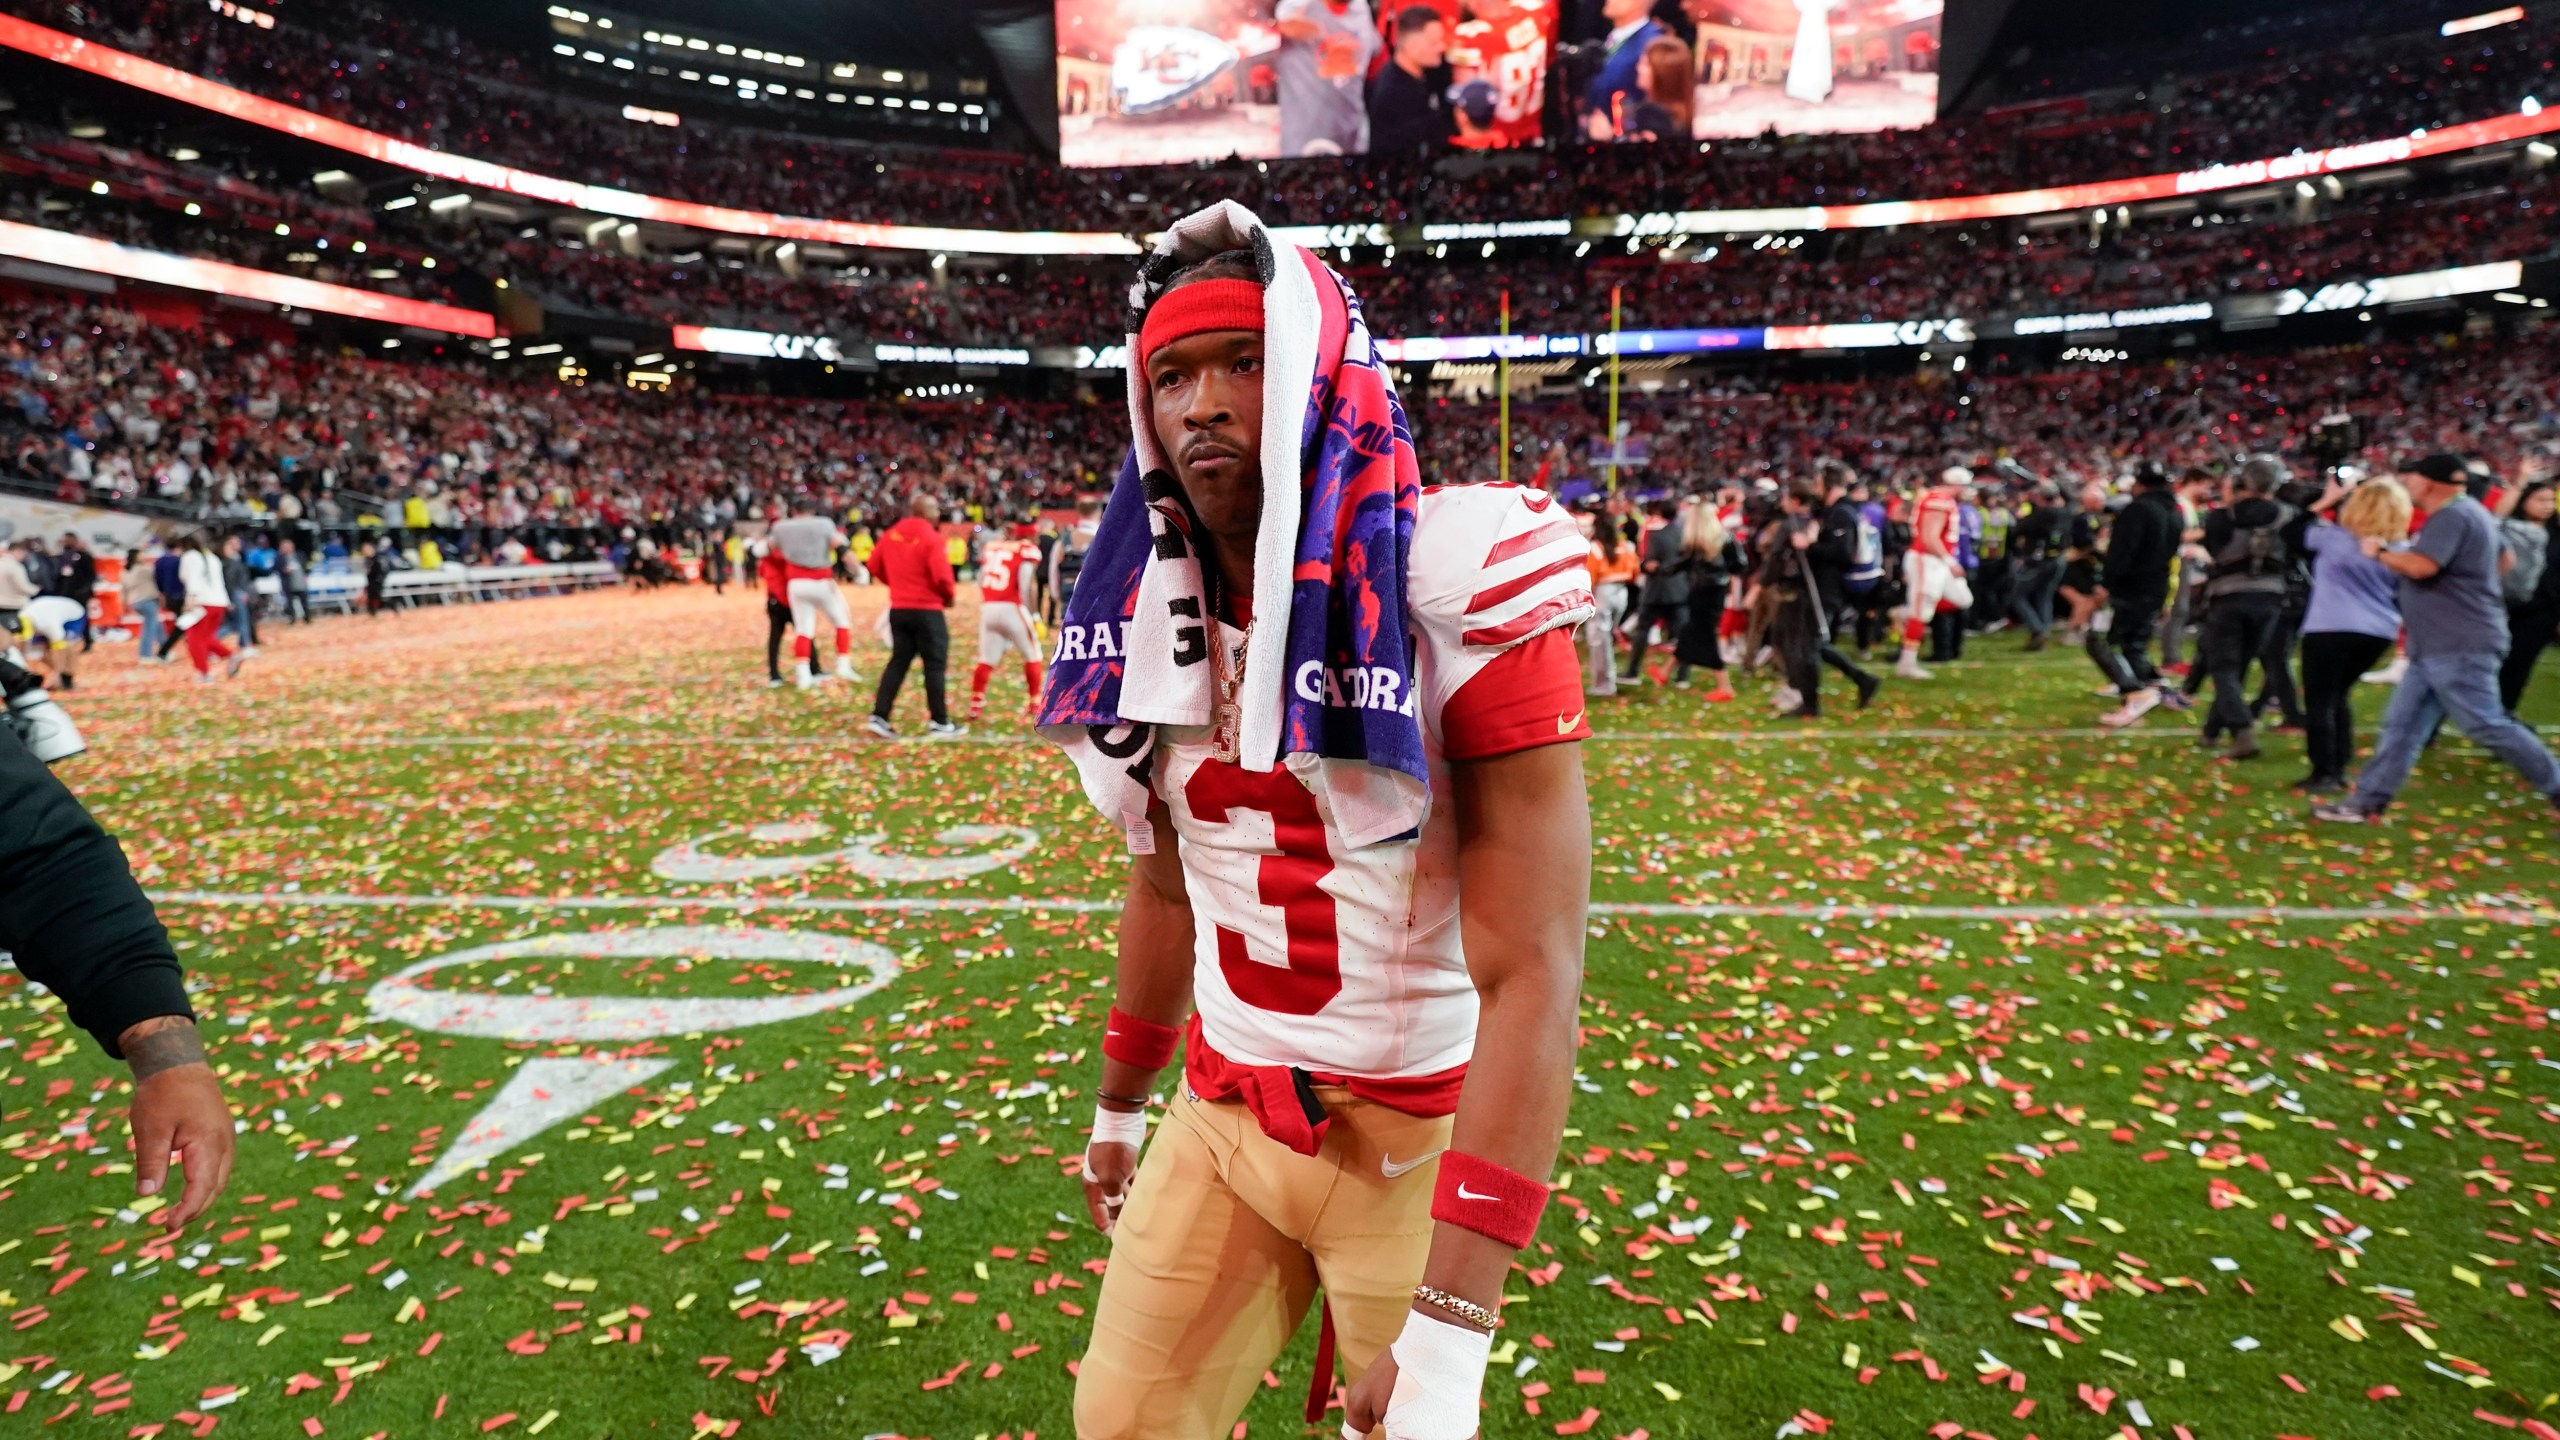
(2337, 438)
(44, 726)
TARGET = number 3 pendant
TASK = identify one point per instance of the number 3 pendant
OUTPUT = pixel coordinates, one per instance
(1222, 740)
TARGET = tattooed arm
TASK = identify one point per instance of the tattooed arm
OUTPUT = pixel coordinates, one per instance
(75, 922)
(178, 1112)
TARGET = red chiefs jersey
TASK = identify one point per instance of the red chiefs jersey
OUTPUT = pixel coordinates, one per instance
(1313, 953)
(1934, 524)
(1506, 42)
(1004, 568)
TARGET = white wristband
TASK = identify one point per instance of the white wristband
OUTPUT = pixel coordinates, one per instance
(1119, 1127)
(1439, 1390)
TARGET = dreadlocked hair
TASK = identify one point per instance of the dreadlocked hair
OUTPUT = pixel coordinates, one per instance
(1225, 265)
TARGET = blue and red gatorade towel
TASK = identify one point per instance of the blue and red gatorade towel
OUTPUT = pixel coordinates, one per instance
(1328, 682)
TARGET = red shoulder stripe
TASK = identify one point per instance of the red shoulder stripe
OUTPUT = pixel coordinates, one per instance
(1528, 622)
(1485, 599)
(1523, 543)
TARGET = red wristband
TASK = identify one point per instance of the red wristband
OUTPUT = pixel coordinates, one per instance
(1142, 1043)
(1484, 1197)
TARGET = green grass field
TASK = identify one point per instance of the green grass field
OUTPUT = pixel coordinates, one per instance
(2111, 1096)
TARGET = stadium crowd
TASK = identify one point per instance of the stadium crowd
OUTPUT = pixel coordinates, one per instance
(1972, 272)
(257, 429)
(424, 83)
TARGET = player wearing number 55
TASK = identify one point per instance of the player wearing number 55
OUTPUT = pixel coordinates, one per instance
(1333, 714)
(75, 922)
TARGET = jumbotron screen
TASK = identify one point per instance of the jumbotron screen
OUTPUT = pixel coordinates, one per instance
(1158, 82)
(1727, 68)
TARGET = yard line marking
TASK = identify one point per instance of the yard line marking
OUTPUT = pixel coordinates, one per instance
(2492, 912)
(854, 742)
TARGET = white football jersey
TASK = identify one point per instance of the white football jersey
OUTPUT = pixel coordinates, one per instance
(1344, 961)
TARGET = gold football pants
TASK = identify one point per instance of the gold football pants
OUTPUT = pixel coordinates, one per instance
(1227, 1235)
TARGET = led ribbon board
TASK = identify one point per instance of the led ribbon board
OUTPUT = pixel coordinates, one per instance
(105, 257)
(113, 64)
(2301, 165)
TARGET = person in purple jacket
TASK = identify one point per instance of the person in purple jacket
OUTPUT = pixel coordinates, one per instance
(2353, 620)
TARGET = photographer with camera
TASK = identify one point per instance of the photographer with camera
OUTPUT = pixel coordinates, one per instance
(75, 922)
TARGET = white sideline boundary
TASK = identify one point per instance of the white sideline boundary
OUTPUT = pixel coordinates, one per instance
(2515, 915)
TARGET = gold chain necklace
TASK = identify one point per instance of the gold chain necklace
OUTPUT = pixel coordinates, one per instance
(1227, 720)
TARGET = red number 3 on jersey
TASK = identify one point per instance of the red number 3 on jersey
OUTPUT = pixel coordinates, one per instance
(1290, 881)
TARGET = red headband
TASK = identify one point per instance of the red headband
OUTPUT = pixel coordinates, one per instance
(1197, 309)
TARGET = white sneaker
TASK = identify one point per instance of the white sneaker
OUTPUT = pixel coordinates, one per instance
(2136, 705)
(2390, 674)
(845, 670)
(1908, 667)
(880, 728)
(945, 730)
(802, 679)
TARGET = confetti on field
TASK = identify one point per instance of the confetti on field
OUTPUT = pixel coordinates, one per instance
(2035, 1164)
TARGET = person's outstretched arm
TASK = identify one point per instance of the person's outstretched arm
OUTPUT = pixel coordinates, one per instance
(77, 924)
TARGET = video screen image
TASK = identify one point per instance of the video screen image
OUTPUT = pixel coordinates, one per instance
(1156, 82)
(1744, 67)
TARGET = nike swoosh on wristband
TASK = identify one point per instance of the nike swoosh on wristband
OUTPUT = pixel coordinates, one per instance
(1388, 1167)
(1466, 1194)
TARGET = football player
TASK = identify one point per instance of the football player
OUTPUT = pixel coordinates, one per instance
(1008, 570)
(1332, 1130)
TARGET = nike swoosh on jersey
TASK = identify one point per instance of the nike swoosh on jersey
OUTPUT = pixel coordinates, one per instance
(1388, 1167)
(1565, 723)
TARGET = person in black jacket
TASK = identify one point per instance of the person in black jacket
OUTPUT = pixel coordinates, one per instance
(2035, 557)
(2276, 688)
(2244, 595)
(1663, 594)
(75, 922)
(2141, 546)
(75, 577)
(1829, 556)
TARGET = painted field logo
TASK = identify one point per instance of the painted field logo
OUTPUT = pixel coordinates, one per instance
(544, 1090)
(692, 862)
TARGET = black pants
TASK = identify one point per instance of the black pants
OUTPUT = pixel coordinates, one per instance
(2275, 662)
(1804, 672)
(2529, 630)
(172, 639)
(2032, 601)
(2121, 652)
(1646, 615)
(2236, 632)
(1871, 609)
(915, 635)
(777, 623)
(1696, 643)
(2332, 662)
(1946, 634)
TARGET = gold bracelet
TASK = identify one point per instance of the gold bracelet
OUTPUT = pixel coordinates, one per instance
(1487, 1320)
